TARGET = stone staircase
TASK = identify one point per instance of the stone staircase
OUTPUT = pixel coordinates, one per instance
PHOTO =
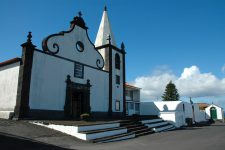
(113, 131)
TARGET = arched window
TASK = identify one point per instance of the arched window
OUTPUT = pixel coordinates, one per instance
(183, 107)
(117, 61)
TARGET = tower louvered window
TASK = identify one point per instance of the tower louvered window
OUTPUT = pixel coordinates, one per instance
(117, 61)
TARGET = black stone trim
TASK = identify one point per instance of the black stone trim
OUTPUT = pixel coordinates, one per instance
(98, 60)
(55, 47)
(124, 79)
(23, 91)
(105, 115)
(112, 46)
(38, 114)
(79, 21)
(76, 21)
(110, 82)
(70, 60)
(72, 87)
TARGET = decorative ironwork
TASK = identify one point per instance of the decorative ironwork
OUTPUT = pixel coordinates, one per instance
(99, 64)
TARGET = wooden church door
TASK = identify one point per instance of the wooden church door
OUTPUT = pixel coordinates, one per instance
(77, 104)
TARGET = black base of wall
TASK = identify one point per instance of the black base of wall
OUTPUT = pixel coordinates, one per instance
(46, 114)
(38, 114)
(104, 115)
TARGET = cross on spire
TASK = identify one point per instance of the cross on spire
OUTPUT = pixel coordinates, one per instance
(109, 38)
(79, 13)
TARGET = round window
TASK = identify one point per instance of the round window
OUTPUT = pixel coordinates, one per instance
(80, 46)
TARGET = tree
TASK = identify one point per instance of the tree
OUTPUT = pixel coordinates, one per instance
(171, 93)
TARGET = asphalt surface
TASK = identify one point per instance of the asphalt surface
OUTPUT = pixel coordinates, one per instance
(23, 135)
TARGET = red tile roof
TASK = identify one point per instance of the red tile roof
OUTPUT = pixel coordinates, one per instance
(10, 61)
(202, 106)
(131, 86)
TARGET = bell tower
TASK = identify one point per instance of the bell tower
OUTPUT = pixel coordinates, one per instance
(114, 59)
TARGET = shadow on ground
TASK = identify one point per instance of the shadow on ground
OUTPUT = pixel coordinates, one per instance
(11, 142)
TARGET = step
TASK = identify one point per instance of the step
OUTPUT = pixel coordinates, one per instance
(101, 130)
(133, 125)
(117, 137)
(95, 135)
(141, 130)
(162, 128)
(137, 128)
(156, 124)
(144, 133)
(125, 123)
(151, 121)
(99, 126)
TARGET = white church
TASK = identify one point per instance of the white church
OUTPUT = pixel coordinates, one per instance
(69, 77)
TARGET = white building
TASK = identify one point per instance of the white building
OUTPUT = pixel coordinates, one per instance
(70, 76)
(199, 115)
(132, 99)
(215, 112)
(177, 112)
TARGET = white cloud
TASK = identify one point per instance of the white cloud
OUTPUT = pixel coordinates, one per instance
(190, 83)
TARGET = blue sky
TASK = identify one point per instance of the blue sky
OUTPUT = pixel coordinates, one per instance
(161, 36)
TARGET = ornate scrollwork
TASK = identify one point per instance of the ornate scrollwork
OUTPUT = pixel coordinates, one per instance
(99, 64)
(56, 47)
(52, 49)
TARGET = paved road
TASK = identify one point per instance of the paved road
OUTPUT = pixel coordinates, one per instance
(10, 142)
(199, 138)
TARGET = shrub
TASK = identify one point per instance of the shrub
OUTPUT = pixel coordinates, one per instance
(85, 116)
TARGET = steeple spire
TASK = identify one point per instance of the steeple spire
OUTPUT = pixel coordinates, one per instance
(104, 31)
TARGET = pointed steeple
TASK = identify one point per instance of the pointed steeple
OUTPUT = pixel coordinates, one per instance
(104, 31)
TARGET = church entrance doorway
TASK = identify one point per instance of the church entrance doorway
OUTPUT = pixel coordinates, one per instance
(213, 113)
(77, 99)
(78, 103)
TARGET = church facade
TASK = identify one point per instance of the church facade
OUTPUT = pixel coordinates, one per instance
(69, 77)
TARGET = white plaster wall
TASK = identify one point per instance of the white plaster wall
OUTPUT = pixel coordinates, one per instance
(196, 113)
(199, 115)
(202, 116)
(177, 118)
(105, 54)
(48, 86)
(168, 105)
(188, 110)
(136, 95)
(170, 110)
(67, 47)
(8, 86)
(99, 94)
(218, 110)
(180, 119)
(117, 89)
